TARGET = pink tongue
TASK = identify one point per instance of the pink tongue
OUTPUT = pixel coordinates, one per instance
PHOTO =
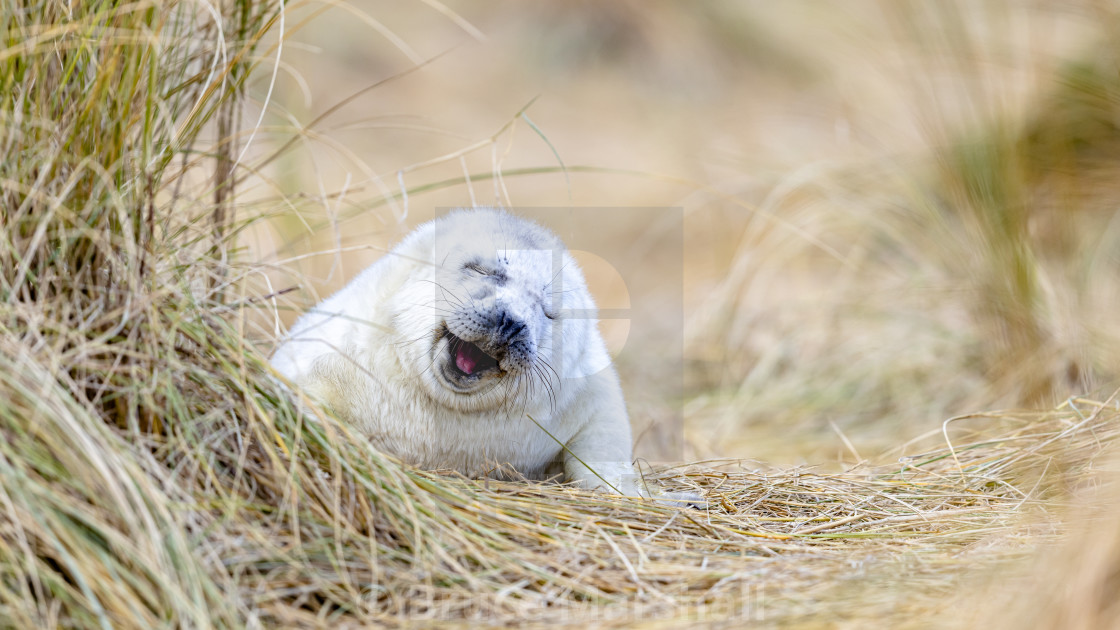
(467, 357)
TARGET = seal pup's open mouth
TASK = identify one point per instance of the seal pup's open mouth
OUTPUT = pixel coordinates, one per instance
(469, 359)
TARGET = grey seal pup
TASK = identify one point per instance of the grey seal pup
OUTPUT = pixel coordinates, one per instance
(473, 346)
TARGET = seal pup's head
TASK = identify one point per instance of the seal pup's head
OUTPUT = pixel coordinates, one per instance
(492, 332)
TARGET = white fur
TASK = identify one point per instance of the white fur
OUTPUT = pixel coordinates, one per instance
(372, 353)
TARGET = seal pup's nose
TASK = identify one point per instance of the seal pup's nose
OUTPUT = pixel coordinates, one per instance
(508, 338)
(507, 328)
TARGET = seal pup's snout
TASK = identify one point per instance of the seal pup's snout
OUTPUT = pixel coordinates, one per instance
(497, 338)
(512, 340)
(505, 337)
(508, 328)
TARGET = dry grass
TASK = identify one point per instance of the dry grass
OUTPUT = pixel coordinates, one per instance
(1073, 583)
(272, 521)
(153, 473)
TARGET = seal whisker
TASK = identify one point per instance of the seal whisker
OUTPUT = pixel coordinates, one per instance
(406, 342)
(547, 386)
(445, 291)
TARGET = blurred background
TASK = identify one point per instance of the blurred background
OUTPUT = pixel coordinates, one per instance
(891, 212)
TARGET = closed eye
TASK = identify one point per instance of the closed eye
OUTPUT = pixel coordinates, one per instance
(478, 268)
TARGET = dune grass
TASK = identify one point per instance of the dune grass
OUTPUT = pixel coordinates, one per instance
(154, 474)
(960, 254)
